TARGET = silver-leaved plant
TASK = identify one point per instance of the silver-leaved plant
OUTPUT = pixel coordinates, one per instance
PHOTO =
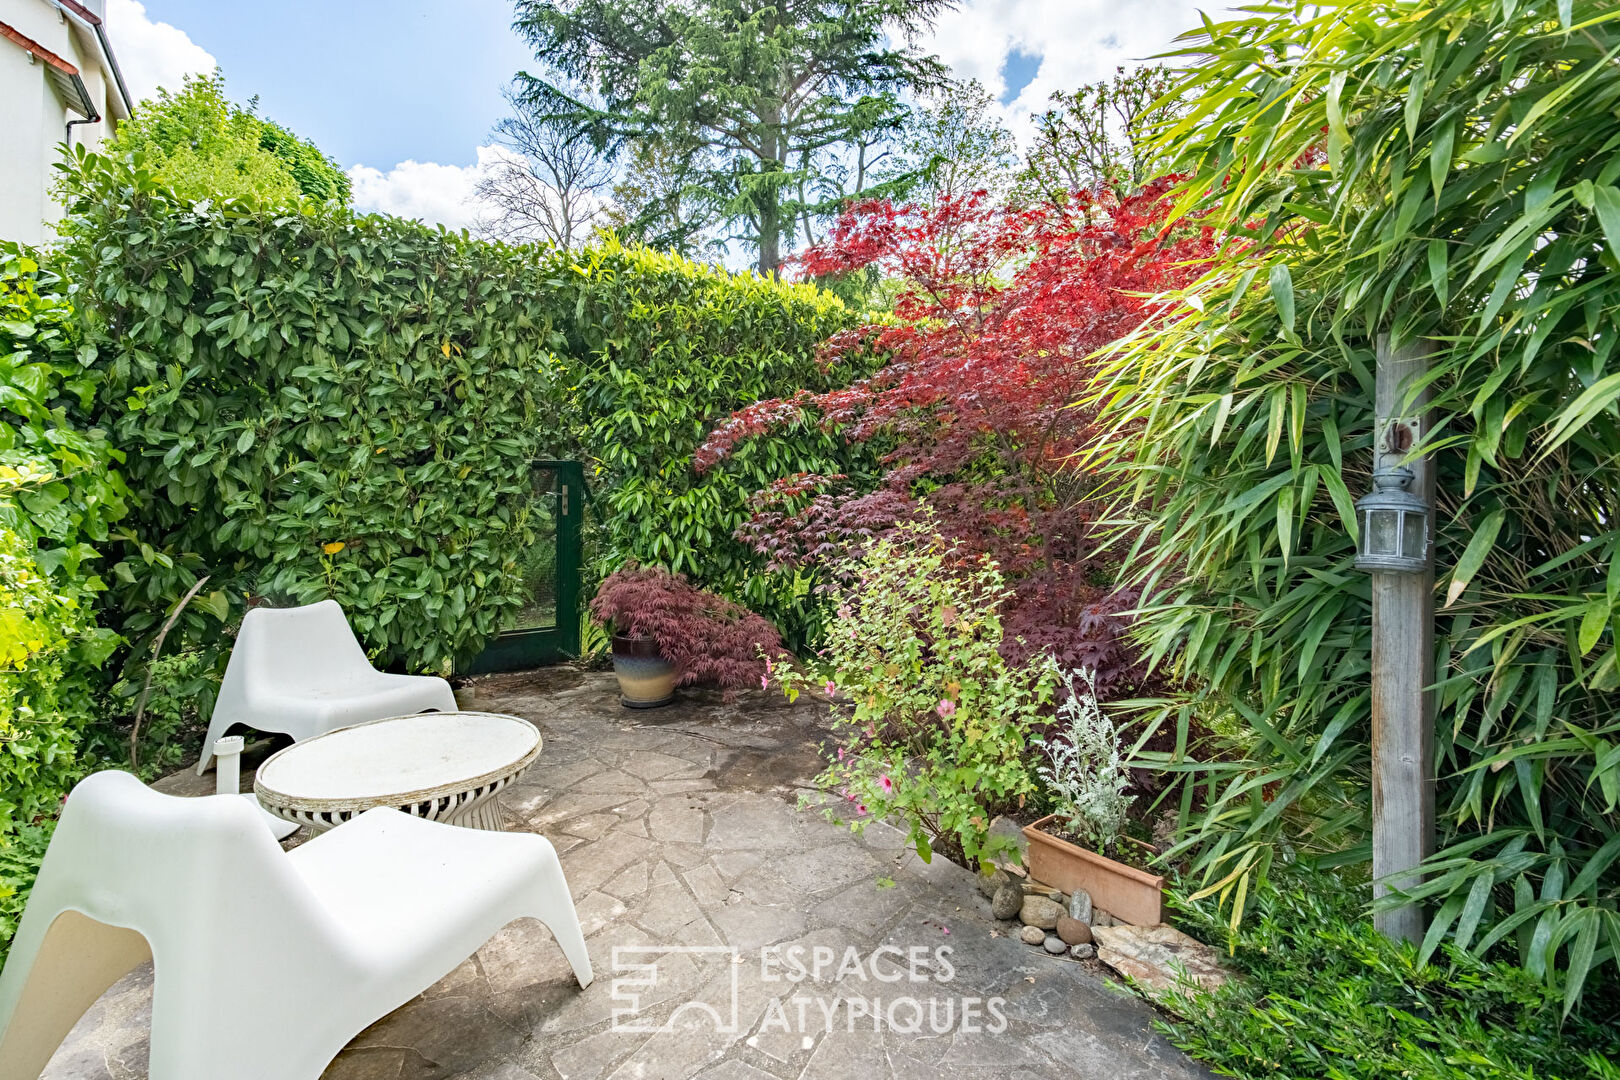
(1086, 773)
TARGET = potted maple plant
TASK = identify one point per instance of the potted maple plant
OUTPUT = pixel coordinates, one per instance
(667, 633)
(1087, 779)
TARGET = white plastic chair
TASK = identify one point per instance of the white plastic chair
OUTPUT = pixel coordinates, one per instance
(300, 671)
(266, 963)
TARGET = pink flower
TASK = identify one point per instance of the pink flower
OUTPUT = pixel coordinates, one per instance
(946, 707)
(840, 753)
(887, 785)
(768, 668)
(850, 795)
(945, 930)
(862, 808)
(764, 682)
(830, 688)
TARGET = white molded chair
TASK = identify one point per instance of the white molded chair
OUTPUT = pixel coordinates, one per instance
(300, 671)
(266, 963)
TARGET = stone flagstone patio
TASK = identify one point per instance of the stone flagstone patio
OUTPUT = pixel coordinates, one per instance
(681, 827)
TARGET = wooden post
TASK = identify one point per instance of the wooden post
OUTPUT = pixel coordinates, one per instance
(1402, 659)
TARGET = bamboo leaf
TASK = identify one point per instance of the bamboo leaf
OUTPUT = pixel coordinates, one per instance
(1473, 556)
(1580, 956)
(1439, 277)
(1606, 202)
(1338, 134)
(1593, 623)
(1595, 399)
(1282, 294)
(1440, 156)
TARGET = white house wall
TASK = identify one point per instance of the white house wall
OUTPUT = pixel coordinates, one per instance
(33, 118)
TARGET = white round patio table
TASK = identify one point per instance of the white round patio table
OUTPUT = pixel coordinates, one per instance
(444, 766)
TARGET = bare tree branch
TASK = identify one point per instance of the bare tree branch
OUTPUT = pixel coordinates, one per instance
(552, 186)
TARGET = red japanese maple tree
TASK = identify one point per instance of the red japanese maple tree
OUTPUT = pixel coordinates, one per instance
(999, 311)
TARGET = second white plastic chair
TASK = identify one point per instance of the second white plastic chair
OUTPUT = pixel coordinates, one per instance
(301, 672)
(266, 963)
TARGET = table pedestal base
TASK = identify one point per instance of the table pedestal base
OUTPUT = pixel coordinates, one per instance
(475, 809)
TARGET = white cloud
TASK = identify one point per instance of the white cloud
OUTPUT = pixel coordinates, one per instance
(1078, 41)
(152, 54)
(434, 193)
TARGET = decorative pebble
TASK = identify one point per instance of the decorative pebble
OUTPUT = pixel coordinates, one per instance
(1073, 931)
(1036, 888)
(1080, 906)
(1055, 946)
(1007, 902)
(1032, 935)
(1039, 911)
(993, 882)
(1082, 952)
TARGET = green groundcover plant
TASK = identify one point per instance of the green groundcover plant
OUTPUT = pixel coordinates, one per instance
(937, 738)
(1320, 995)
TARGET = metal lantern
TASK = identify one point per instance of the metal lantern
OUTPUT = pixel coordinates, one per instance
(1394, 525)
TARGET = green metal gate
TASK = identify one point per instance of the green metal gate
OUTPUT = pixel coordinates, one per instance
(546, 628)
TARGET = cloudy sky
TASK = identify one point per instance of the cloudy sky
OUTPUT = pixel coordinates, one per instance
(404, 92)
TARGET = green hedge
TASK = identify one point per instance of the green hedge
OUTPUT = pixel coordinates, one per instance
(658, 350)
(288, 382)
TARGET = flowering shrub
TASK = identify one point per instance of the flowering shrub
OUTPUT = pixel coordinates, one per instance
(1085, 774)
(938, 735)
(708, 638)
(998, 312)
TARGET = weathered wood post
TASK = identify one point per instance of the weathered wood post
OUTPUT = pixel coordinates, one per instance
(1402, 656)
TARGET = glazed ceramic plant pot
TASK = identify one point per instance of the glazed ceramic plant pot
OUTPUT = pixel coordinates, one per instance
(646, 679)
(1130, 895)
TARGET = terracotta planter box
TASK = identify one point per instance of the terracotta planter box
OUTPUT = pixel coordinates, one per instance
(1130, 895)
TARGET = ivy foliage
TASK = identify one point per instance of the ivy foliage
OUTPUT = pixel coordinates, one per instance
(62, 492)
(1429, 169)
(319, 404)
(60, 495)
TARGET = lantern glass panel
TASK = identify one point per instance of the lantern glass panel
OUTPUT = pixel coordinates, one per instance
(1412, 545)
(1381, 532)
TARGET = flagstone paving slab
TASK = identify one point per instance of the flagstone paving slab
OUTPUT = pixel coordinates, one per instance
(692, 842)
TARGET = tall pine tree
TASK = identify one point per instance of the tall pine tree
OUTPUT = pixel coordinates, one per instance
(759, 96)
